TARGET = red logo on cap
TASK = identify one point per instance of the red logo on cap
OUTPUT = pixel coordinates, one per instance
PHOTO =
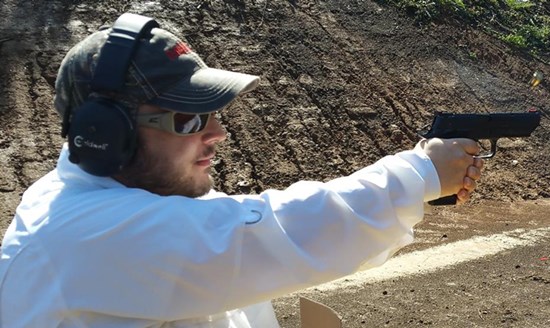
(179, 49)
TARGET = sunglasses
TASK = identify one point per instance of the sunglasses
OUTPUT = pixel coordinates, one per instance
(174, 122)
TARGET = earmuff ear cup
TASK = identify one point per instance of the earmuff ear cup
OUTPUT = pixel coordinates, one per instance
(102, 137)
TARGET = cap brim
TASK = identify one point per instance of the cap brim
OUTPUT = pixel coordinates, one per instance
(206, 91)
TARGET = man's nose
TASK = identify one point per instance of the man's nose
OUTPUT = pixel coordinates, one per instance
(214, 131)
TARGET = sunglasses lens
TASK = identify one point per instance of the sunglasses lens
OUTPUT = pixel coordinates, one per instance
(189, 123)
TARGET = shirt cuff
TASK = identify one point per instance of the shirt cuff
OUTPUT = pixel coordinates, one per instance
(425, 168)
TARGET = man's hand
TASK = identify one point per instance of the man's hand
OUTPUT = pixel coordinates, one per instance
(456, 166)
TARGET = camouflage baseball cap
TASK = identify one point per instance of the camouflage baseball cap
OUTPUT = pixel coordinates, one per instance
(164, 71)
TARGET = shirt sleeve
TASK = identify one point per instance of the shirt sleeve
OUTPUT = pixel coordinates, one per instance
(176, 257)
(315, 232)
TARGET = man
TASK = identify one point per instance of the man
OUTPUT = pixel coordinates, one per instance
(135, 237)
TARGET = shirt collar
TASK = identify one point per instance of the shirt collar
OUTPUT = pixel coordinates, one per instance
(71, 173)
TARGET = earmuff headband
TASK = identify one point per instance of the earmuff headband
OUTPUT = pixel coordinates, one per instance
(116, 54)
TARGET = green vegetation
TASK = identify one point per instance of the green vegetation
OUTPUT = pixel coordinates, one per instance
(524, 24)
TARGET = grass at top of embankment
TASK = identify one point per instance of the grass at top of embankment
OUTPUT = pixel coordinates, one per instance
(524, 24)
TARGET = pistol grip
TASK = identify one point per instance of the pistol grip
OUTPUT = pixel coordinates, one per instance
(447, 200)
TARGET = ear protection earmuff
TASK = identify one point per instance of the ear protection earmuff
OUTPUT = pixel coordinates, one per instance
(102, 133)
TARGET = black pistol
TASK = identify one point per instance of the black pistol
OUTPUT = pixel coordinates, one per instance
(490, 126)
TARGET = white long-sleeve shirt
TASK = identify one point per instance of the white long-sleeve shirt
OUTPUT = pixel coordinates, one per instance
(86, 251)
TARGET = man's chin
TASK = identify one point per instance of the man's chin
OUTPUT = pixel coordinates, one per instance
(201, 188)
(208, 186)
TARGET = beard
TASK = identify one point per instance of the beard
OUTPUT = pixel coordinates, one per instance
(157, 175)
